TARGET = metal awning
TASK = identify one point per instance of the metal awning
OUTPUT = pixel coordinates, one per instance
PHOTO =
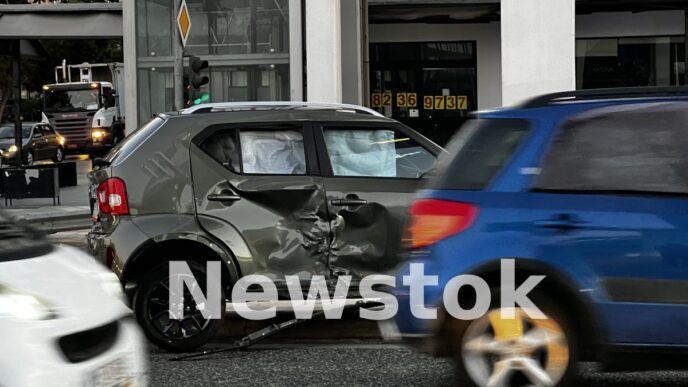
(58, 21)
(476, 11)
(438, 11)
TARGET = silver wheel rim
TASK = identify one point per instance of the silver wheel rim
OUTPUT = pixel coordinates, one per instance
(500, 352)
(29, 159)
(59, 154)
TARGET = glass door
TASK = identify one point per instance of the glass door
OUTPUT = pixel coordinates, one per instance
(430, 87)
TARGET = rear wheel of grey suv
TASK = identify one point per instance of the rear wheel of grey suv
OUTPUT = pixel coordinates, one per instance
(151, 306)
(515, 352)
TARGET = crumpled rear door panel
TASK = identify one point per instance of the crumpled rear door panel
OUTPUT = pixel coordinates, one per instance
(366, 237)
(281, 220)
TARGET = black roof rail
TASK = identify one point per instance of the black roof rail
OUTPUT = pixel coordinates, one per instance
(611, 93)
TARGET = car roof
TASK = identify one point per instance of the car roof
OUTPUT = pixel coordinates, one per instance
(277, 114)
(566, 103)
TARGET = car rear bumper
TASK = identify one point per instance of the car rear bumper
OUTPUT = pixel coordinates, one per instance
(97, 246)
(117, 245)
(72, 148)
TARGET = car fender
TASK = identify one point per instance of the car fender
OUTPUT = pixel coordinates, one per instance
(180, 227)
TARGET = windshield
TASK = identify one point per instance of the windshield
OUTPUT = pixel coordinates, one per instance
(7, 132)
(70, 100)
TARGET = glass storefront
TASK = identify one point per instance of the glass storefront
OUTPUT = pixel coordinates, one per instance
(623, 62)
(246, 43)
(430, 86)
(227, 27)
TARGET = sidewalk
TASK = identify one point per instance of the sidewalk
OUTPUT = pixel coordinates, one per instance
(72, 213)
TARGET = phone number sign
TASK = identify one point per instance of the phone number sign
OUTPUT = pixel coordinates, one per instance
(410, 100)
(445, 102)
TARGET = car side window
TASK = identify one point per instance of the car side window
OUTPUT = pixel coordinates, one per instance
(37, 132)
(376, 152)
(639, 148)
(47, 131)
(222, 146)
(257, 151)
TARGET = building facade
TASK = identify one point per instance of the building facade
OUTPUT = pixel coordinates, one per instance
(426, 63)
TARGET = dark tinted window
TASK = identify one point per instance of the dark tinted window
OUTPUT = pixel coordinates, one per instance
(637, 148)
(47, 130)
(478, 152)
(223, 147)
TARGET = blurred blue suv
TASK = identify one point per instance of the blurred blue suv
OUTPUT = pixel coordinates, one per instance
(589, 189)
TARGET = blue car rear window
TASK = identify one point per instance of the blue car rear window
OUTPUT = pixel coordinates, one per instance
(632, 148)
(478, 152)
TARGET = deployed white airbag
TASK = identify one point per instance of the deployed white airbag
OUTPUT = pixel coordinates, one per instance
(273, 152)
(362, 152)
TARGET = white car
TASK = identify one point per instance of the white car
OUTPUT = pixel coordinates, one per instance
(63, 321)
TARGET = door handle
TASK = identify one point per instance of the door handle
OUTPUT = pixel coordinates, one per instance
(348, 202)
(223, 197)
(563, 222)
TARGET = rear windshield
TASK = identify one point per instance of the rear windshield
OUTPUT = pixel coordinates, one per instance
(478, 152)
(133, 141)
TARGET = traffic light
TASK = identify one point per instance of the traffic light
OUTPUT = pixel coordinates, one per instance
(196, 80)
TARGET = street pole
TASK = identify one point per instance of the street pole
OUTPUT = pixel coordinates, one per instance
(16, 78)
(178, 65)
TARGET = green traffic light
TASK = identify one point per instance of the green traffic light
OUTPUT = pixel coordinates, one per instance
(205, 97)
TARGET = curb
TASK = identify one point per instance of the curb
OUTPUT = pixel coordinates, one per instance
(51, 219)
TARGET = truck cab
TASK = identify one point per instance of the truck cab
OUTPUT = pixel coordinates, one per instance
(87, 113)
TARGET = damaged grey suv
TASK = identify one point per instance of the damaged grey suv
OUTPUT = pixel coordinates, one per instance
(266, 188)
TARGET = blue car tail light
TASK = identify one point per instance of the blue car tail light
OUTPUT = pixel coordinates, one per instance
(432, 220)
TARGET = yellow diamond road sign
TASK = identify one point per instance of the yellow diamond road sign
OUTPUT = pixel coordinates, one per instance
(184, 22)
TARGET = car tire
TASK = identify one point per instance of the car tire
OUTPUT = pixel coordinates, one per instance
(29, 159)
(59, 155)
(472, 368)
(149, 302)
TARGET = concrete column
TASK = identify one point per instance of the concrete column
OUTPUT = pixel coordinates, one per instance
(538, 48)
(130, 92)
(323, 51)
(295, 51)
(352, 46)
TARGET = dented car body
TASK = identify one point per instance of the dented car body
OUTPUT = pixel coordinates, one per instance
(276, 191)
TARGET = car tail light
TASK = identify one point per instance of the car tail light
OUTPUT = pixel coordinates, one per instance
(112, 197)
(433, 220)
